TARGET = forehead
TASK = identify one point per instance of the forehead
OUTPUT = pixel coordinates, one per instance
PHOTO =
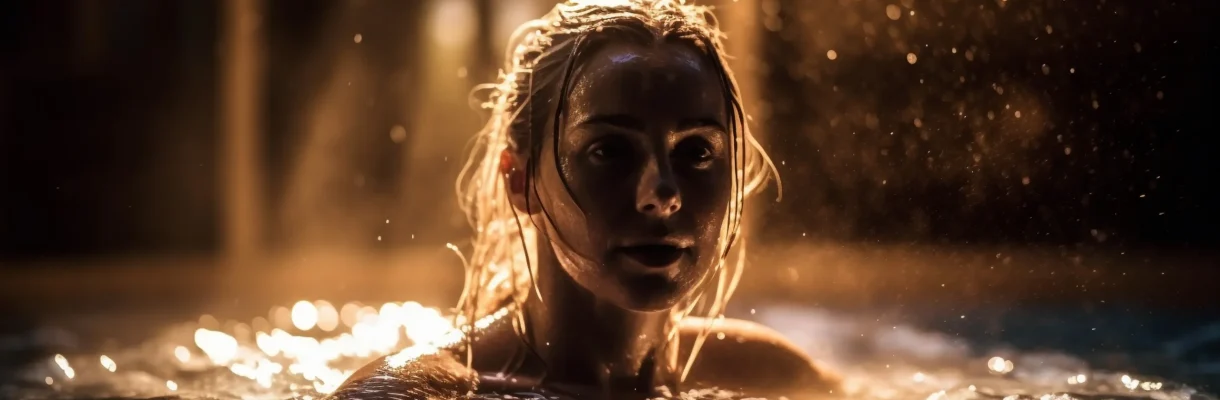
(665, 80)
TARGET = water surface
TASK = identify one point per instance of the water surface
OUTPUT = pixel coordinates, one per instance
(305, 350)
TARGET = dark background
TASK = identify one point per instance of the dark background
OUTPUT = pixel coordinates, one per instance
(109, 133)
(1092, 207)
(1132, 170)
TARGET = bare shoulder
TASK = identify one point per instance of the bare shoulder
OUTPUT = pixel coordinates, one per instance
(750, 357)
(438, 374)
(426, 372)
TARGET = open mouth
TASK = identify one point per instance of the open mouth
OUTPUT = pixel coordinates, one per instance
(654, 255)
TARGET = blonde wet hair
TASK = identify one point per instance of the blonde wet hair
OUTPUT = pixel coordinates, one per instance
(538, 68)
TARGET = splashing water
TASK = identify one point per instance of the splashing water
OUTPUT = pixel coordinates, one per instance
(311, 352)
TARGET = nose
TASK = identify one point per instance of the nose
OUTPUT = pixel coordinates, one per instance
(657, 195)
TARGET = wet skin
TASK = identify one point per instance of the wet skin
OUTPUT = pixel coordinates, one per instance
(751, 360)
(631, 203)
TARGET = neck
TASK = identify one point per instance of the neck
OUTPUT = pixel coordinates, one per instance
(587, 341)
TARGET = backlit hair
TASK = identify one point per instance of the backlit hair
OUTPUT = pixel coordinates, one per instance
(537, 72)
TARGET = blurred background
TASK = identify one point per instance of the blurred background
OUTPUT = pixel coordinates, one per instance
(1041, 166)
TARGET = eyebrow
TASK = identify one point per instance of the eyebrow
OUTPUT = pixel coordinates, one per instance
(625, 121)
(615, 120)
(700, 123)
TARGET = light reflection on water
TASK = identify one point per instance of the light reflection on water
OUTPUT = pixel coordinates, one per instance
(307, 349)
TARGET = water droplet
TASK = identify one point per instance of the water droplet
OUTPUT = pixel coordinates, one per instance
(305, 315)
(398, 134)
(62, 362)
(911, 58)
(108, 363)
(182, 354)
(997, 364)
(893, 12)
(358, 38)
(831, 54)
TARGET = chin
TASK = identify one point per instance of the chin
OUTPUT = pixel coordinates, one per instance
(650, 293)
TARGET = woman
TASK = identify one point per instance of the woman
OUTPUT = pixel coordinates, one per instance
(606, 193)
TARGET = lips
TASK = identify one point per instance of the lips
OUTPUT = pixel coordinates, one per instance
(654, 255)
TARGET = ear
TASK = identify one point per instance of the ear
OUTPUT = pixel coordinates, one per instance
(512, 170)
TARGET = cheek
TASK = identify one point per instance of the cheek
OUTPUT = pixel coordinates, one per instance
(708, 203)
(553, 191)
(605, 195)
(569, 209)
(708, 193)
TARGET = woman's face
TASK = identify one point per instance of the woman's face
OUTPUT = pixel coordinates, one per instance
(642, 179)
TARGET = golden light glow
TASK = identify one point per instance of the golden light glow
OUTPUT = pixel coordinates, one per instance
(108, 364)
(348, 314)
(1130, 383)
(274, 353)
(182, 354)
(284, 359)
(328, 317)
(999, 365)
(304, 315)
(996, 364)
(62, 362)
(281, 317)
(453, 22)
(893, 12)
(218, 346)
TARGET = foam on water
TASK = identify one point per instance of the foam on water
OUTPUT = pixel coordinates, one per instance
(307, 350)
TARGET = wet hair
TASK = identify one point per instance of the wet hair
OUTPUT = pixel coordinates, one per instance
(538, 71)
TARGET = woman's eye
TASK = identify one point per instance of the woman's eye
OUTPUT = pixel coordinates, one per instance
(607, 151)
(695, 153)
